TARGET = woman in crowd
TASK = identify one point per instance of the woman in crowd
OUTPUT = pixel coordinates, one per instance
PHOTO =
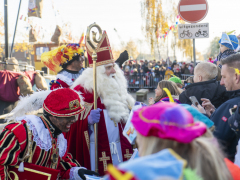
(172, 145)
(160, 94)
(186, 69)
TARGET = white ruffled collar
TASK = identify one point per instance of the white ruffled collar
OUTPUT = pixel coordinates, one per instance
(42, 136)
(65, 79)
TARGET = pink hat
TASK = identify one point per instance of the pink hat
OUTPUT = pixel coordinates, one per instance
(167, 121)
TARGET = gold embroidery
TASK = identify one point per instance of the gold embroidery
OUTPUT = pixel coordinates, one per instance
(74, 104)
(37, 172)
(88, 107)
(55, 154)
(87, 139)
(63, 115)
(103, 49)
(15, 175)
(103, 62)
(127, 155)
(99, 48)
(104, 159)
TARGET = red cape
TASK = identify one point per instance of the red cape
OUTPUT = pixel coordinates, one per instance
(79, 142)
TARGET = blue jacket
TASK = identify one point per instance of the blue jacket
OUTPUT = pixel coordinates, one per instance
(223, 132)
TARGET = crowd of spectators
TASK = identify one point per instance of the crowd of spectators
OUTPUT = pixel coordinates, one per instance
(149, 73)
(216, 96)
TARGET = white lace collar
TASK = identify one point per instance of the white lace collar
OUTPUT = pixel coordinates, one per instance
(65, 79)
(41, 135)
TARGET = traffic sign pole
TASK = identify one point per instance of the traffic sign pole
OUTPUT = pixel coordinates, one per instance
(194, 53)
(192, 11)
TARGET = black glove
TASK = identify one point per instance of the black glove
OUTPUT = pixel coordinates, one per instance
(81, 173)
(122, 58)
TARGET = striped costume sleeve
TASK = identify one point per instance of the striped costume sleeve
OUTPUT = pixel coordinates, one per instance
(9, 152)
(66, 164)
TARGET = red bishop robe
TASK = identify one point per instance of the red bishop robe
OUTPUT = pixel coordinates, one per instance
(79, 142)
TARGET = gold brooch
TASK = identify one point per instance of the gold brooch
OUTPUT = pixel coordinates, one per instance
(73, 104)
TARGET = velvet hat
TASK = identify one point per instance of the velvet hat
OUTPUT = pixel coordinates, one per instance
(63, 103)
(167, 121)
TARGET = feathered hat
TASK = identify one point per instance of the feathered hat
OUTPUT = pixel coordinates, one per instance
(103, 50)
(61, 55)
(63, 102)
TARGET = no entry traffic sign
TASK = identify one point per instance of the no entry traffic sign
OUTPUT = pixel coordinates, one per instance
(193, 11)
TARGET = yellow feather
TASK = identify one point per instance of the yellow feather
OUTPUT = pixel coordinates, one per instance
(169, 94)
(237, 71)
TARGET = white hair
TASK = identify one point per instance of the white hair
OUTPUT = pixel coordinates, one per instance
(112, 91)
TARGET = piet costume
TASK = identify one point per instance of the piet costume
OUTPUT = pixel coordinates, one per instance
(60, 57)
(115, 104)
(165, 121)
(32, 147)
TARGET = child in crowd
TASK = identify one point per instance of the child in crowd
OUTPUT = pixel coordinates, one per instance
(178, 82)
(228, 45)
(177, 72)
(168, 73)
(160, 94)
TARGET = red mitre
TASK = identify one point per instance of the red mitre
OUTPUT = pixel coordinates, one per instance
(103, 50)
(63, 103)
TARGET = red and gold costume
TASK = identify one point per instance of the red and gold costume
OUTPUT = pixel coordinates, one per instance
(113, 147)
(34, 140)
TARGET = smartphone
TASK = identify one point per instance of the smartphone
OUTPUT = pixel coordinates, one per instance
(232, 110)
(194, 101)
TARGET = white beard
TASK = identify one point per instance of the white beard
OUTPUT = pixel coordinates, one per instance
(113, 91)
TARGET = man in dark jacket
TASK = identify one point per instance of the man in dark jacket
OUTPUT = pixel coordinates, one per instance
(205, 86)
(231, 80)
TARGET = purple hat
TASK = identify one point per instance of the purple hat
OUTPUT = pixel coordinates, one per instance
(167, 121)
